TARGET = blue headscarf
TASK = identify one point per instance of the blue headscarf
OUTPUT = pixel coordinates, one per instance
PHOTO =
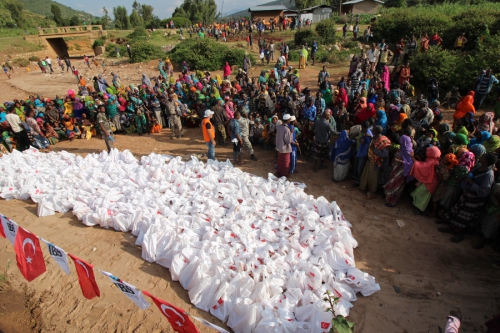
(381, 119)
(485, 135)
(343, 149)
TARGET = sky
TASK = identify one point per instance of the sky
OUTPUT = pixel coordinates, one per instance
(162, 8)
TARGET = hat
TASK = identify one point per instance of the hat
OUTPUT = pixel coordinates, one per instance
(208, 113)
(292, 118)
(286, 117)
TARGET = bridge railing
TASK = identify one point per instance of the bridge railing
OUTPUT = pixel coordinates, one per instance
(72, 29)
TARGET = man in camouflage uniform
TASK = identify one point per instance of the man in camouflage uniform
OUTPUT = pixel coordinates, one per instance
(173, 109)
(245, 131)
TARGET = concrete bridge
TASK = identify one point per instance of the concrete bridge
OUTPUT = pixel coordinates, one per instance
(75, 41)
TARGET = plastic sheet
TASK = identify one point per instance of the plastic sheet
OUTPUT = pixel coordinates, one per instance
(257, 253)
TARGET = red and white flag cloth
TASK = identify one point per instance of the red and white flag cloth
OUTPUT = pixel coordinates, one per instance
(206, 323)
(29, 255)
(86, 278)
(59, 255)
(177, 317)
(134, 294)
(9, 228)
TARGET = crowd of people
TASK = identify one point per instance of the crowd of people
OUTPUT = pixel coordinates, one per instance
(370, 126)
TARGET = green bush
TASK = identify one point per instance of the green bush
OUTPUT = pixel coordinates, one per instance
(326, 30)
(473, 23)
(23, 62)
(142, 52)
(111, 51)
(305, 36)
(138, 33)
(350, 44)
(178, 22)
(438, 63)
(98, 42)
(206, 54)
(34, 58)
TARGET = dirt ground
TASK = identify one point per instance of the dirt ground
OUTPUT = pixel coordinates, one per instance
(432, 275)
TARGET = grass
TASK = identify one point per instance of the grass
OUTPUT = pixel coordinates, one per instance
(17, 45)
(3, 276)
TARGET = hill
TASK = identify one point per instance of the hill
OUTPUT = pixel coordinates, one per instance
(288, 4)
(33, 20)
(42, 7)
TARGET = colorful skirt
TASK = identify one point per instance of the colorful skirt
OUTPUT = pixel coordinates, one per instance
(421, 197)
(320, 150)
(283, 169)
(394, 188)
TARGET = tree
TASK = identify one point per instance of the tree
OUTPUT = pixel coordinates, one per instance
(146, 12)
(198, 11)
(16, 12)
(105, 18)
(121, 17)
(74, 20)
(56, 12)
(135, 19)
(395, 3)
(301, 4)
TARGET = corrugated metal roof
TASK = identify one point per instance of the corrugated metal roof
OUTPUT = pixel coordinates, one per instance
(267, 8)
(358, 1)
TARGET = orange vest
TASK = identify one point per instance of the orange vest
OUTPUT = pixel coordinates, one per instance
(206, 135)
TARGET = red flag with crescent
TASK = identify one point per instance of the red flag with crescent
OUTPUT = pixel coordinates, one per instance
(29, 255)
(86, 278)
(177, 317)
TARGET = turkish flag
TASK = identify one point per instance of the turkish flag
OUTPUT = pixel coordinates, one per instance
(325, 324)
(29, 255)
(86, 278)
(2, 233)
(177, 317)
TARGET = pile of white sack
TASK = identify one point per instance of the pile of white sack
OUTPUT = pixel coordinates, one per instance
(258, 254)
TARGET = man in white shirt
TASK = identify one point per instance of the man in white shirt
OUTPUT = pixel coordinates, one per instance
(23, 142)
(372, 55)
(49, 62)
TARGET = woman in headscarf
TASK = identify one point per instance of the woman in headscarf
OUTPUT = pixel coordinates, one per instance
(398, 125)
(466, 159)
(381, 119)
(101, 83)
(227, 71)
(146, 81)
(342, 151)
(403, 163)
(341, 97)
(486, 122)
(476, 188)
(386, 78)
(365, 113)
(424, 173)
(459, 141)
(328, 97)
(445, 137)
(464, 106)
(492, 144)
(479, 138)
(478, 150)
(377, 157)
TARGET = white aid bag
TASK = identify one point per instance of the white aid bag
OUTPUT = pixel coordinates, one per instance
(362, 282)
(244, 315)
(221, 304)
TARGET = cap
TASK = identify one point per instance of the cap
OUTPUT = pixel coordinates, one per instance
(208, 113)
(286, 117)
(292, 118)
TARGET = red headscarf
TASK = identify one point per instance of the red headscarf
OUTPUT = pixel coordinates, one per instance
(365, 113)
(424, 171)
(342, 97)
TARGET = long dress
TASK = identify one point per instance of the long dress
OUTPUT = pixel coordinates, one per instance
(341, 153)
(394, 188)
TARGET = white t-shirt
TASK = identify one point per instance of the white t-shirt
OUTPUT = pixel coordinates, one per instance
(14, 122)
(373, 55)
